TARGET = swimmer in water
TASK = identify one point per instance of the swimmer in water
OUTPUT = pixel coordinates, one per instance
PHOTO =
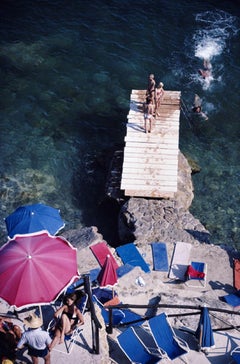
(197, 108)
(206, 72)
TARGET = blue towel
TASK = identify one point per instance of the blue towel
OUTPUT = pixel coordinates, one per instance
(160, 258)
(92, 275)
(124, 269)
(130, 255)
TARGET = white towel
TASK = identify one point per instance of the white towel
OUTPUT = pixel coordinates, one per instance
(180, 260)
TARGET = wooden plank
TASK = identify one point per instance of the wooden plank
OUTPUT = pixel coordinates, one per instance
(156, 171)
(150, 182)
(155, 138)
(150, 160)
(162, 130)
(152, 194)
(144, 187)
(151, 179)
(151, 151)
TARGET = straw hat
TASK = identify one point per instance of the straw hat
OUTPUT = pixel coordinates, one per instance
(33, 321)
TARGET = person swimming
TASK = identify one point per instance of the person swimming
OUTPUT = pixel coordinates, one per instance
(197, 108)
(206, 72)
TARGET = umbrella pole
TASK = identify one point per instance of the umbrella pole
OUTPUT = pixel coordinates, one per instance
(200, 338)
(40, 312)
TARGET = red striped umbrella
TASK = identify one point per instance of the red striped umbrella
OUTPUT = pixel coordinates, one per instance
(107, 275)
(36, 268)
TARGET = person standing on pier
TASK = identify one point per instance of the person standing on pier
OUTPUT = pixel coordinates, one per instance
(148, 114)
(151, 87)
(159, 93)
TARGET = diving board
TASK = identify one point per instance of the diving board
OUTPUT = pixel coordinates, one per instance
(150, 160)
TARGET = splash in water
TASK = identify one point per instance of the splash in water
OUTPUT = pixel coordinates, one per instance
(210, 40)
(215, 29)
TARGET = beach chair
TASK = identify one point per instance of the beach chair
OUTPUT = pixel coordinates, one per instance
(165, 338)
(235, 354)
(196, 274)
(135, 350)
(117, 317)
(124, 316)
(130, 255)
(70, 339)
(232, 299)
(180, 261)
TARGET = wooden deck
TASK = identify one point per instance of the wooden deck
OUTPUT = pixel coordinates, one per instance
(150, 163)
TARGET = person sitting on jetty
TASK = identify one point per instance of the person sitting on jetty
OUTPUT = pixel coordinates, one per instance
(70, 317)
(159, 93)
(148, 114)
(151, 87)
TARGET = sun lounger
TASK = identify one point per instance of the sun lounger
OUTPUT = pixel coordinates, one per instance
(196, 274)
(124, 316)
(160, 258)
(235, 354)
(180, 261)
(135, 350)
(130, 255)
(165, 338)
(233, 299)
(70, 339)
(118, 315)
(93, 273)
(100, 251)
(103, 295)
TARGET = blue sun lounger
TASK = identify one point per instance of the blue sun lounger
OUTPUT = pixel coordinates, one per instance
(232, 299)
(130, 255)
(134, 349)
(165, 338)
(235, 354)
(160, 258)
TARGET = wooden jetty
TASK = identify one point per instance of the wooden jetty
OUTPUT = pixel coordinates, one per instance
(150, 160)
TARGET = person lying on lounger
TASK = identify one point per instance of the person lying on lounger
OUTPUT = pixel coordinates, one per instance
(70, 318)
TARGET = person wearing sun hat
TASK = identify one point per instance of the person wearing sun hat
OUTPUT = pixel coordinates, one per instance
(36, 339)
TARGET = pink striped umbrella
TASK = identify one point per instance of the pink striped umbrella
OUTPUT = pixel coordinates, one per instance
(107, 275)
(35, 269)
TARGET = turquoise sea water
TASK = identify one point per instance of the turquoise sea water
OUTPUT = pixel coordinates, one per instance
(67, 69)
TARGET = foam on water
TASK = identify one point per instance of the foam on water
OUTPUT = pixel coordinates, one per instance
(215, 28)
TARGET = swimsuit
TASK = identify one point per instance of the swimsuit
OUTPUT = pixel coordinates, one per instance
(71, 316)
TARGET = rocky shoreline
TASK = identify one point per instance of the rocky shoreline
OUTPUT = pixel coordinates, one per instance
(143, 221)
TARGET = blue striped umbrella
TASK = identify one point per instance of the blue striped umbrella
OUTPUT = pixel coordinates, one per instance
(34, 218)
